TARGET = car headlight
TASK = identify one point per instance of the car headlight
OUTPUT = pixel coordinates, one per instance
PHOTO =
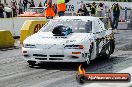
(74, 46)
(29, 46)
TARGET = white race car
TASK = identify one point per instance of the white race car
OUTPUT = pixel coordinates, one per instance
(69, 39)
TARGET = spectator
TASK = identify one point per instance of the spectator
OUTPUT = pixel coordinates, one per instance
(100, 12)
(32, 4)
(93, 9)
(25, 2)
(14, 1)
(20, 7)
(116, 14)
(8, 10)
(40, 5)
(83, 11)
(14, 9)
(81, 4)
(55, 8)
(49, 12)
(1, 11)
(61, 7)
(88, 7)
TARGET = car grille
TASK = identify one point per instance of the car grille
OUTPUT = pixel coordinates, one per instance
(41, 55)
(55, 59)
(56, 55)
(41, 58)
(48, 57)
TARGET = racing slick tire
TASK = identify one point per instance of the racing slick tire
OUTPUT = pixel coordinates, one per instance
(31, 63)
(110, 49)
(112, 46)
(90, 55)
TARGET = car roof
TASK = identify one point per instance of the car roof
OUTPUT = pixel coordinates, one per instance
(83, 18)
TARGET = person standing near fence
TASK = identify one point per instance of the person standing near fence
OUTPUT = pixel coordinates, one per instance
(1, 11)
(14, 9)
(20, 4)
(40, 4)
(49, 12)
(81, 4)
(25, 2)
(116, 14)
(100, 10)
(93, 9)
(61, 7)
(83, 11)
(8, 11)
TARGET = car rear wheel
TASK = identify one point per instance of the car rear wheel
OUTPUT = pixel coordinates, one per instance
(110, 49)
(90, 55)
(112, 46)
(107, 53)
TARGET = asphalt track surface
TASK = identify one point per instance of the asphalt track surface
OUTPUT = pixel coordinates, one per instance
(15, 72)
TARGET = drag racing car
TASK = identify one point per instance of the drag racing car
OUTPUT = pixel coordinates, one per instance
(69, 39)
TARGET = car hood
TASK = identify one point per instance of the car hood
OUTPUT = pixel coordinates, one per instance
(48, 38)
(47, 41)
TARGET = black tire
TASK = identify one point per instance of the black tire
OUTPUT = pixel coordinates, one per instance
(91, 50)
(31, 63)
(112, 46)
(106, 54)
(89, 57)
(109, 50)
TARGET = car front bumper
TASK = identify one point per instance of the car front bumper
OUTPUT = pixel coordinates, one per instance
(40, 55)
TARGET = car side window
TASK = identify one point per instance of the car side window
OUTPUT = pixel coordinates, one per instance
(97, 27)
(88, 26)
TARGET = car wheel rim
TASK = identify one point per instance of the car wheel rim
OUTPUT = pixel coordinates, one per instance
(88, 61)
(108, 50)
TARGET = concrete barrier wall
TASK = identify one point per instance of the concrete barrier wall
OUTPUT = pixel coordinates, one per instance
(6, 39)
(14, 24)
(30, 27)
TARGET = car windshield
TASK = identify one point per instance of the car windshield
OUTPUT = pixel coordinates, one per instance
(77, 25)
(36, 10)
